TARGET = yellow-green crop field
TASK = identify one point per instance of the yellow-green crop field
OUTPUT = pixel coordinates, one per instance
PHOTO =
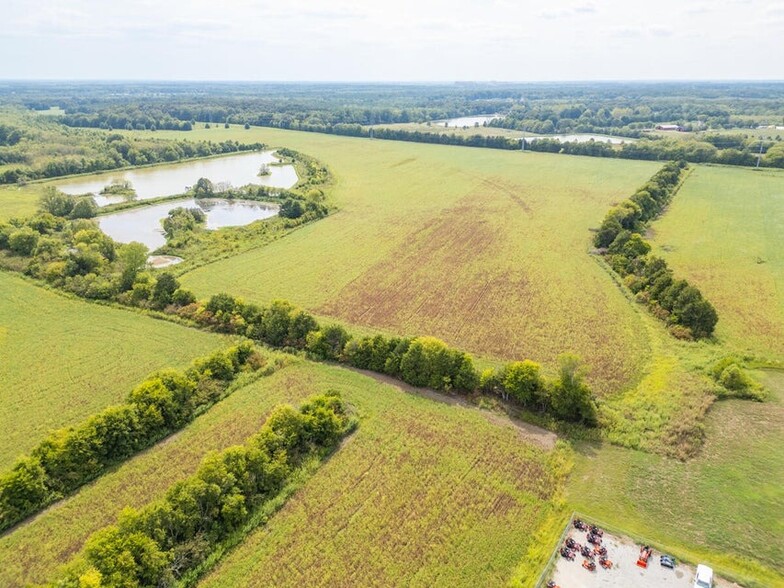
(469, 245)
(488, 250)
(421, 487)
(62, 360)
(725, 232)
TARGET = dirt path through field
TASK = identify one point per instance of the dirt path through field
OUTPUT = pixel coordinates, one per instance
(530, 432)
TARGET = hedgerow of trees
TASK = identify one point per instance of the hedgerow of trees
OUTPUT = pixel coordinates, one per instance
(673, 300)
(161, 543)
(419, 361)
(90, 264)
(163, 403)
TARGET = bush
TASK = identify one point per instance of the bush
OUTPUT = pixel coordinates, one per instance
(291, 209)
(523, 382)
(733, 378)
(22, 491)
(328, 342)
(570, 396)
(84, 208)
(55, 202)
(183, 297)
(23, 241)
(429, 362)
(165, 287)
(729, 373)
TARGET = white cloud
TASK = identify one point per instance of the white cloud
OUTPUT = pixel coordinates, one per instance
(412, 39)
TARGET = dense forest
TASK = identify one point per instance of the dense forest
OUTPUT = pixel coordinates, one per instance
(619, 108)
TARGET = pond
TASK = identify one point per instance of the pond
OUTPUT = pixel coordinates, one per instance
(583, 138)
(466, 121)
(176, 178)
(143, 224)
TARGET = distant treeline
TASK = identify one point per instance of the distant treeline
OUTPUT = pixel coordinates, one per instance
(643, 149)
(163, 403)
(620, 108)
(677, 302)
(207, 512)
(93, 152)
(721, 149)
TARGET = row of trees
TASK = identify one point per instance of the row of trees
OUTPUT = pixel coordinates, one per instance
(620, 237)
(651, 149)
(419, 361)
(166, 540)
(89, 152)
(163, 403)
(710, 150)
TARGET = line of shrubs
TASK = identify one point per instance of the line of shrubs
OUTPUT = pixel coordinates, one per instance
(163, 403)
(419, 361)
(166, 540)
(675, 301)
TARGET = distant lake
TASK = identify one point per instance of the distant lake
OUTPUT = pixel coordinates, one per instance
(466, 121)
(583, 138)
(143, 224)
(176, 178)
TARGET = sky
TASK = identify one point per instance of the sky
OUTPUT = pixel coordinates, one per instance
(404, 40)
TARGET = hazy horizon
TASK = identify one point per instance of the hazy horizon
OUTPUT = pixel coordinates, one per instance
(414, 42)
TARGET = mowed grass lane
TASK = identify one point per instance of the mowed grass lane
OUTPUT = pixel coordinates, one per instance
(722, 507)
(420, 485)
(725, 232)
(485, 249)
(62, 360)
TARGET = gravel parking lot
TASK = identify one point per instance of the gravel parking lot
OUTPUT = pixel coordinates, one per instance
(625, 573)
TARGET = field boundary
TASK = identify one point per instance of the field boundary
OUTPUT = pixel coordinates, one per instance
(549, 565)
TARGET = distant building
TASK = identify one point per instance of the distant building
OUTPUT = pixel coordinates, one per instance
(669, 128)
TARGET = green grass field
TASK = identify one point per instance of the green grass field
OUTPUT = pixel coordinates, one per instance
(721, 507)
(437, 481)
(19, 201)
(62, 359)
(465, 244)
(725, 232)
